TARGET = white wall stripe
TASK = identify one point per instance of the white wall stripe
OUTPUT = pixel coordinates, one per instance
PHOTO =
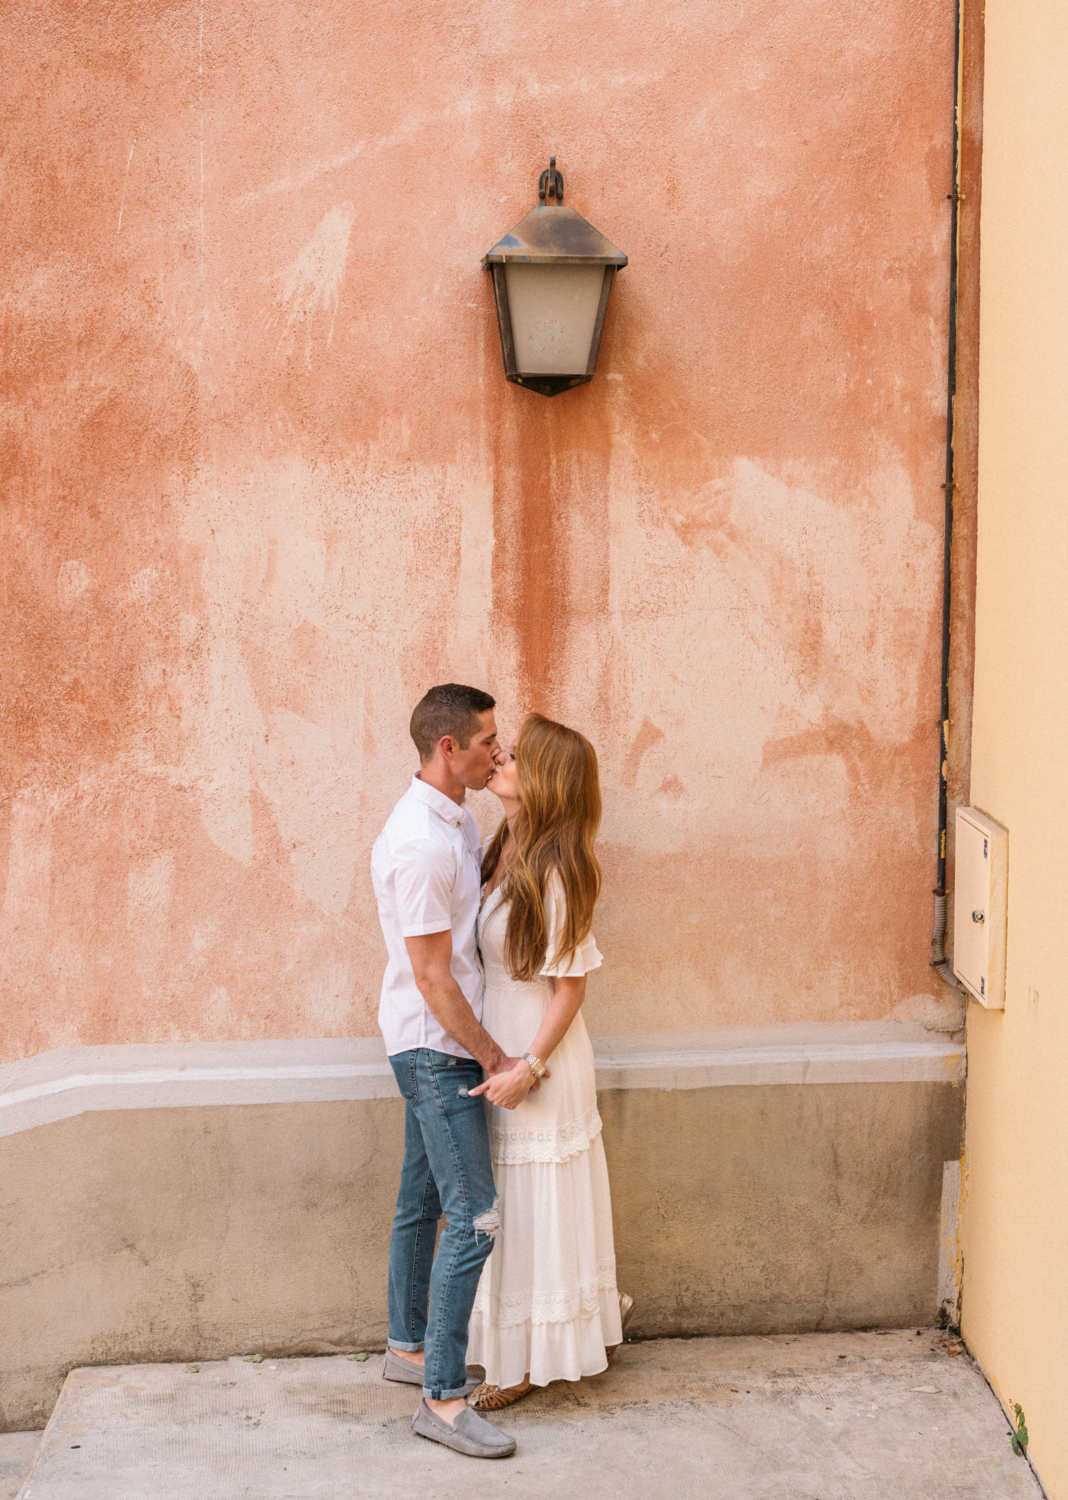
(57, 1085)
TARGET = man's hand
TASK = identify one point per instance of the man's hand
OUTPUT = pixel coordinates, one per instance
(509, 1087)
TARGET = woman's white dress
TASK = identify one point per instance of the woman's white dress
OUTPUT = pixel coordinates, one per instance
(547, 1302)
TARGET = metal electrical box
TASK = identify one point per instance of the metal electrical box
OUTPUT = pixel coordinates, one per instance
(980, 906)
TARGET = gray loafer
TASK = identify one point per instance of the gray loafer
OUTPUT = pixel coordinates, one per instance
(402, 1370)
(469, 1433)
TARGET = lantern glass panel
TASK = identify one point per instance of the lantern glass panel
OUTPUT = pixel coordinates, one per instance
(553, 310)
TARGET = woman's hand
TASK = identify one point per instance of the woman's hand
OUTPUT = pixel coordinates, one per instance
(509, 1088)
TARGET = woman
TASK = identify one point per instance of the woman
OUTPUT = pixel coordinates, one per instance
(547, 1304)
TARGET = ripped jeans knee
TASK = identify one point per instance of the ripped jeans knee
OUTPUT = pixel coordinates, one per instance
(489, 1223)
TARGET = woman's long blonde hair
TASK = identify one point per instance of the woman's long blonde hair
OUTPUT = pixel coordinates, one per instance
(555, 828)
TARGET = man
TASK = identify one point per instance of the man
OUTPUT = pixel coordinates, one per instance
(427, 878)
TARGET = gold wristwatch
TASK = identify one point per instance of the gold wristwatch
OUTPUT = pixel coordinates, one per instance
(535, 1064)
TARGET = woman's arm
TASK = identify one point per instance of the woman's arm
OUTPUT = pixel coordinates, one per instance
(568, 995)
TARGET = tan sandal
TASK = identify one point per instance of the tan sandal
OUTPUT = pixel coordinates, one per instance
(626, 1311)
(492, 1398)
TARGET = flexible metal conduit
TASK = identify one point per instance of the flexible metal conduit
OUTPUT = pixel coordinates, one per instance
(939, 962)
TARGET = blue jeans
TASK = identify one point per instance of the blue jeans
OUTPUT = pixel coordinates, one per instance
(446, 1169)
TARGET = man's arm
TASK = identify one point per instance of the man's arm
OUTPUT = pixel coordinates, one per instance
(431, 957)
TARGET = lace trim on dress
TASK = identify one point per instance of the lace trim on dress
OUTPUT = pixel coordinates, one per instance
(559, 1143)
(549, 1307)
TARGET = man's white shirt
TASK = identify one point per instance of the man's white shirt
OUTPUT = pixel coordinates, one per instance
(426, 868)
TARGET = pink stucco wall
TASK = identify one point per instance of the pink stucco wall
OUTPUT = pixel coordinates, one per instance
(264, 482)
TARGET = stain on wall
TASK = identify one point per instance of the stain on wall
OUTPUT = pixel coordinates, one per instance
(264, 482)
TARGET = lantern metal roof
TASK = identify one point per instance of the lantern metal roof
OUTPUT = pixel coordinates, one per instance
(553, 232)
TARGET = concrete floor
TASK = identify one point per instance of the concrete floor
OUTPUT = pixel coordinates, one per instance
(815, 1417)
(16, 1455)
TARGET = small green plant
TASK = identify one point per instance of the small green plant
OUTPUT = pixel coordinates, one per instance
(1019, 1437)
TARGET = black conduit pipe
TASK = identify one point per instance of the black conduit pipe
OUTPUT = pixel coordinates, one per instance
(939, 962)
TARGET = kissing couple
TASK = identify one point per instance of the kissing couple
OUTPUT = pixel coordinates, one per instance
(489, 948)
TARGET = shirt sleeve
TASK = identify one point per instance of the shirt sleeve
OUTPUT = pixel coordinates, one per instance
(586, 956)
(423, 878)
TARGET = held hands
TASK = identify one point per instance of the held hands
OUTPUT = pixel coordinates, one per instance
(511, 1085)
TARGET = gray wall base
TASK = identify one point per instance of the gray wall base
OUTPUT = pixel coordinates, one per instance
(209, 1230)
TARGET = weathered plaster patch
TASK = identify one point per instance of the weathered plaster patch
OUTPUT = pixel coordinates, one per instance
(308, 788)
(27, 896)
(310, 285)
(74, 578)
(149, 890)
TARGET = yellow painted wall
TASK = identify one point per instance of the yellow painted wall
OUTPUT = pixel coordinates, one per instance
(1015, 1220)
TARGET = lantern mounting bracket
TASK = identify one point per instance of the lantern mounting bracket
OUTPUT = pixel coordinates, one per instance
(551, 181)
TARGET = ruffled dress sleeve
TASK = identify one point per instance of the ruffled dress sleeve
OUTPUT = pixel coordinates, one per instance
(586, 956)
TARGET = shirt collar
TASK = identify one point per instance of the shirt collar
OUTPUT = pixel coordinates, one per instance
(445, 807)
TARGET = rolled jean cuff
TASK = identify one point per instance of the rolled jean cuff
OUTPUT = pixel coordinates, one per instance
(404, 1348)
(439, 1395)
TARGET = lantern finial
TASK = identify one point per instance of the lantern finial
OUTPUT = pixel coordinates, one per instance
(551, 181)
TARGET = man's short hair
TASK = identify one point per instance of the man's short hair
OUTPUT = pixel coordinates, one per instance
(449, 709)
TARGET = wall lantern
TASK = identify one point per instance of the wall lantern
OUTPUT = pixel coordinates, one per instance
(552, 275)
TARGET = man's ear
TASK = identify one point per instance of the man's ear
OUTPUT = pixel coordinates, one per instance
(447, 746)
